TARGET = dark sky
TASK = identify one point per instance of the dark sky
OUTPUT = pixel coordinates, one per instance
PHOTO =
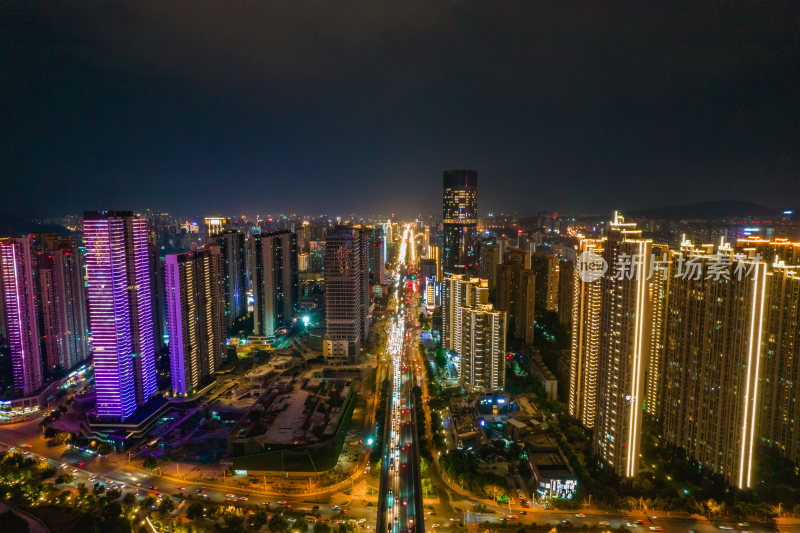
(195, 107)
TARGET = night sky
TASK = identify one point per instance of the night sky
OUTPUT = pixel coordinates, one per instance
(235, 107)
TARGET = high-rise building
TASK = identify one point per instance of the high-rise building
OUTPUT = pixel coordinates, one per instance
(195, 318)
(780, 375)
(18, 262)
(233, 275)
(545, 266)
(565, 290)
(482, 355)
(63, 300)
(216, 225)
(712, 359)
(586, 321)
(458, 292)
(346, 290)
(460, 215)
(375, 254)
(120, 312)
(159, 303)
(276, 284)
(515, 292)
(611, 343)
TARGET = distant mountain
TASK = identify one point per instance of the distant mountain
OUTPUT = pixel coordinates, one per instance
(11, 226)
(707, 210)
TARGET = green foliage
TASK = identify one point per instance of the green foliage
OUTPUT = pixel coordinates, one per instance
(322, 527)
(348, 527)
(194, 511)
(300, 525)
(278, 524)
(462, 466)
(150, 462)
(166, 506)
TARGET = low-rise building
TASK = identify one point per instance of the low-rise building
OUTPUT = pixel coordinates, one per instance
(553, 474)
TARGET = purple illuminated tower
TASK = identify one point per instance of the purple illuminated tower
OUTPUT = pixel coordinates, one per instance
(19, 293)
(194, 315)
(120, 313)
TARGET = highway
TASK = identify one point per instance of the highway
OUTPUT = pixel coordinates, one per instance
(400, 507)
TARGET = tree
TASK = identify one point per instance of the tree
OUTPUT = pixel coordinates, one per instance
(301, 525)
(150, 462)
(64, 479)
(348, 527)
(278, 524)
(98, 489)
(112, 510)
(166, 506)
(148, 502)
(258, 520)
(194, 511)
(104, 448)
(322, 527)
(129, 499)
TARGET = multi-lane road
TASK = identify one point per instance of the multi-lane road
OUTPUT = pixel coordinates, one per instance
(400, 501)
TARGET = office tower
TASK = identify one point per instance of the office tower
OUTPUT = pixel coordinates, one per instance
(346, 290)
(388, 242)
(276, 284)
(18, 261)
(780, 377)
(545, 266)
(217, 225)
(482, 354)
(375, 255)
(712, 359)
(565, 290)
(515, 292)
(195, 318)
(611, 343)
(460, 215)
(120, 313)
(233, 275)
(435, 253)
(303, 262)
(316, 257)
(63, 300)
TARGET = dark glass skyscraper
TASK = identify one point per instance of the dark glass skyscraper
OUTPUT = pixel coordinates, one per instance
(275, 280)
(460, 214)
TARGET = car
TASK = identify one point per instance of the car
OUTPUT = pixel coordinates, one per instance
(230, 495)
(566, 521)
(580, 515)
(656, 528)
(603, 523)
(181, 489)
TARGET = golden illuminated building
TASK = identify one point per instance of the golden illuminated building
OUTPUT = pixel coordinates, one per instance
(545, 265)
(712, 358)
